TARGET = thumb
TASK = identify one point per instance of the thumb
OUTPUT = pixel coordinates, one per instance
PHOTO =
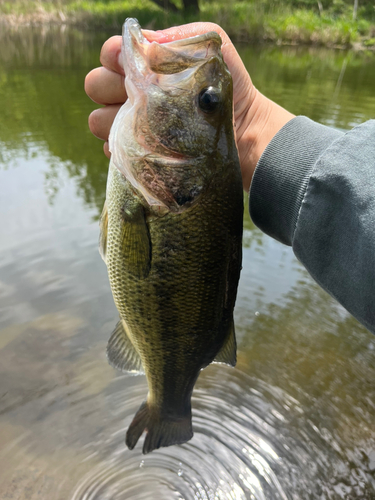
(184, 31)
(230, 54)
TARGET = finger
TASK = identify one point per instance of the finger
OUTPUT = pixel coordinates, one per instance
(100, 120)
(110, 55)
(104, 86)
(184, 31)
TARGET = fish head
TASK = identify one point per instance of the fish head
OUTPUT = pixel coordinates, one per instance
(176, 127)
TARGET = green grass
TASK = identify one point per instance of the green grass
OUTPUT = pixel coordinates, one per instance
(242, 19)
(308, 27)
(370, 42)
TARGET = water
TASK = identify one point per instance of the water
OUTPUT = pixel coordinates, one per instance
(294, 420)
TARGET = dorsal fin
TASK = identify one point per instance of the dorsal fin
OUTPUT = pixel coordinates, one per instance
(121, 353)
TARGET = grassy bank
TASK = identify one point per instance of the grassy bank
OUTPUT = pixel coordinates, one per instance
(251, 20)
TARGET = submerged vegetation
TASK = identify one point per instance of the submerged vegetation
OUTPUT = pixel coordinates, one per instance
(344, 23)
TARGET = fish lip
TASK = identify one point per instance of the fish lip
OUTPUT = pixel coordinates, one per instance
(131, 27)
(136, 49)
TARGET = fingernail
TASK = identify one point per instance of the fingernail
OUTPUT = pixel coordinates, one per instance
(119, 59)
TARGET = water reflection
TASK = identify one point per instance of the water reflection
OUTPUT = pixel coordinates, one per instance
(294, 420)
(44, 105)
(225, 459)
(44, 108)
(332, 87)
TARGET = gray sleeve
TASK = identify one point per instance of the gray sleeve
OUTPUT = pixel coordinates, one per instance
(314, 189)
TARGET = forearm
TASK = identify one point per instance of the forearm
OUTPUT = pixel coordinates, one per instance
(313, 188)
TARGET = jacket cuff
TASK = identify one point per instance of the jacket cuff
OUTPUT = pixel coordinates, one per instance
(282, 175)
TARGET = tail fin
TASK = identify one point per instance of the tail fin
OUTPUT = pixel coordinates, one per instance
(160, 431)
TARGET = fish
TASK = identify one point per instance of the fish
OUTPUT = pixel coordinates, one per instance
(171, 226)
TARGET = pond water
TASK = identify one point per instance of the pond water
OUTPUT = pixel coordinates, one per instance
(294, 420)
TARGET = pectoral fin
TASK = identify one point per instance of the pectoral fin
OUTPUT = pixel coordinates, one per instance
(227, 353)
(135, 239)
(103, 232)
(121, 353)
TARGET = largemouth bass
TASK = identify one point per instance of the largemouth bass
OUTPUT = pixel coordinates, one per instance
(171, 227)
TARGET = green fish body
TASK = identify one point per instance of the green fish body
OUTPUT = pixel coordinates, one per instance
(171, 227)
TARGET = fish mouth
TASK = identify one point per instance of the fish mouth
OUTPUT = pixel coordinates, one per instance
(141, 57)
(166, 65)
(132, 26)
(151, 164)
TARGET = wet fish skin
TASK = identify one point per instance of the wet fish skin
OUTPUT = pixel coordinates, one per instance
(171, 228)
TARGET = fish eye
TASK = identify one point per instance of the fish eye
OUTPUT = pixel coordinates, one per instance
(209, 100)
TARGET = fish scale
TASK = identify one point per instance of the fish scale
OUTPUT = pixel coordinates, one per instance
(171, 239)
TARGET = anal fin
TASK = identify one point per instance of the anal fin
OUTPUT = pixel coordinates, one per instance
(227, 353)
(121, 353)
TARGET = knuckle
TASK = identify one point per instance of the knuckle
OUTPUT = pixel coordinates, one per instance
(219, 30)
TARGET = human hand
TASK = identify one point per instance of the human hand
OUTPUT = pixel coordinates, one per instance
(257, 119)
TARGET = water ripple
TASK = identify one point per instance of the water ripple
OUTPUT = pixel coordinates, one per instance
(229, 457)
